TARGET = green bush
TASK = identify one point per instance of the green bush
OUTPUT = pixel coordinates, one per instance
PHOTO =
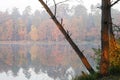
(97, 56)
(114, 70)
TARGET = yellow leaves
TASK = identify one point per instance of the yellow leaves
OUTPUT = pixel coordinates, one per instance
(34, 33)
(114, 53)
(115, 57)
(34, 51)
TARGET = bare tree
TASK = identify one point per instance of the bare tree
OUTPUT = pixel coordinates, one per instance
(67, 37)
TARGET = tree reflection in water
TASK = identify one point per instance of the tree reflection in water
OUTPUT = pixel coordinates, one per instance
(52, 60)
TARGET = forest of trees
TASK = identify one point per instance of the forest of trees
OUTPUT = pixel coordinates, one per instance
(38, 26)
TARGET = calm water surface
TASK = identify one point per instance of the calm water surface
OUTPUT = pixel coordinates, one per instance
(41, 61)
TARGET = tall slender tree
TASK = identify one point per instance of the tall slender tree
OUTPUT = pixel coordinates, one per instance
(104, 64)
(108, 42)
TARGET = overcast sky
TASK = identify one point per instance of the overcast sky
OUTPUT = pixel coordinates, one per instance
(21, 4)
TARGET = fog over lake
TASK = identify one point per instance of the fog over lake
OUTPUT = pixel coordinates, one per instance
(41, 61)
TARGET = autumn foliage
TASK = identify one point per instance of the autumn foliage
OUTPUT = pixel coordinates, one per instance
(38, 26)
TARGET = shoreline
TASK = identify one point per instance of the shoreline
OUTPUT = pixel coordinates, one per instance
(49, 42)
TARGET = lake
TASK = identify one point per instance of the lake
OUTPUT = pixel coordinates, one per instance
(42, 61)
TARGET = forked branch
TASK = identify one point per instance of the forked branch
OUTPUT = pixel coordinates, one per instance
(55, 5)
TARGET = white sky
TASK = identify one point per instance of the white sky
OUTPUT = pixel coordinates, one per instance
(21, 4)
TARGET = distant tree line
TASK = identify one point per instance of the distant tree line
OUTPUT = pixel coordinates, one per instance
(38, 26)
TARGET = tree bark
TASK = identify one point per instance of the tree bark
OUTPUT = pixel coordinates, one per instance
(68, 38)
(108, 42)
(104, 64)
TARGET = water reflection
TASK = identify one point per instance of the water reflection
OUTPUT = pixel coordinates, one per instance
(30, 60)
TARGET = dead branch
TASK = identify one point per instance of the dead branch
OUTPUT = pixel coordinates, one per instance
(62, 1)
(55, 7)
(61, 21)
(114, 3)
(68, 32)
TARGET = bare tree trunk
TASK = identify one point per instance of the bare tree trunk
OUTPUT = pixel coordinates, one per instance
(68, 38)
(104, 64)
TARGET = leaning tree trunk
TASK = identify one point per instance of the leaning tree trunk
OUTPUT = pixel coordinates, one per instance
(104, 64)
(68, 38)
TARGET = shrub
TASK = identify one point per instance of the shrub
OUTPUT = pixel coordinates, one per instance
(115, 58)
(114, 70)
(97, 56)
